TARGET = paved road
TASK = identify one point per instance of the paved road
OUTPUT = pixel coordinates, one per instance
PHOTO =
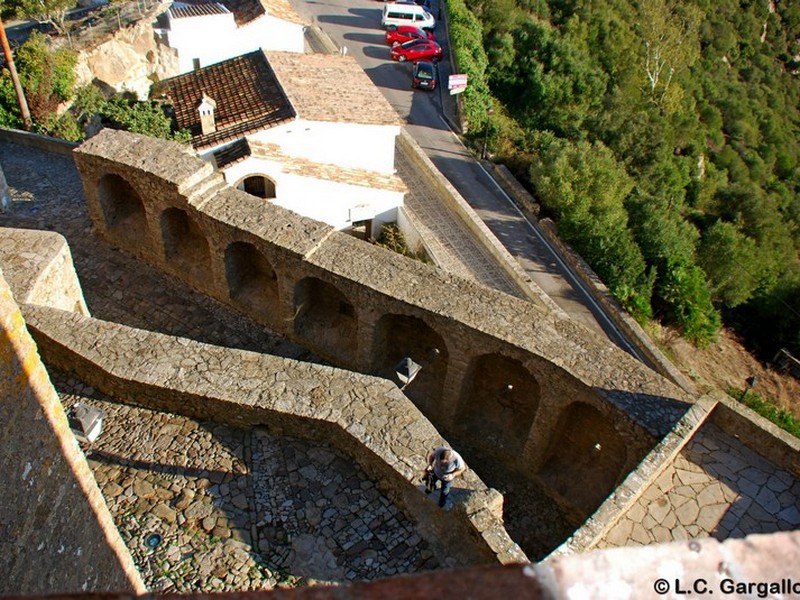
(355, 25)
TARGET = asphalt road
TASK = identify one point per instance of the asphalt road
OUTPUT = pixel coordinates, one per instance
(354, 25)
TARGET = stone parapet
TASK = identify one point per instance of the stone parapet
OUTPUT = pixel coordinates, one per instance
(38, 267)
(366, 417)
(770, 441)
(592, 532)
(456, 202)
(364, 308)
(52, 514)
(35, 140)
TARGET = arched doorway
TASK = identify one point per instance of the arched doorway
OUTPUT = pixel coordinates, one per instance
(400, 336)
(260, 186)
(123, 209)
(585, 457)
(499, 400)
(325, 319)
(185, 246)
(251, 279)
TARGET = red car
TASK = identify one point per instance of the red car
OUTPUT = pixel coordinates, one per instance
(405, 33)
(414, 50)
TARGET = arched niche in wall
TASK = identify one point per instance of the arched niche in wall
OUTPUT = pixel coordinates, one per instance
(400, 336)
(260, 186)
(499, 399)
(252, 281)
(185, 246)
(585, 457)
(325, 319)
(123, 209)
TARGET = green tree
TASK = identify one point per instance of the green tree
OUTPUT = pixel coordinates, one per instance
(670, 40)
(44, 11)
(48, 78)
(584, 187)
(730, 259)
(687, 303)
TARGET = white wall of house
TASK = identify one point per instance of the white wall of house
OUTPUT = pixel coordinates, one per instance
(335, 203)
(203, 38)
(214, 38)
(348, 145)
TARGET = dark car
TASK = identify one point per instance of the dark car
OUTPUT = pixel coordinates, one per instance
(424, 75)
(405, 33)
(415, 50)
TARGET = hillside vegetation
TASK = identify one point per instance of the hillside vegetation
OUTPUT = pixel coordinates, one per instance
(663, 137)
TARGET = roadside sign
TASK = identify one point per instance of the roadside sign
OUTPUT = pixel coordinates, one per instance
(457, 83)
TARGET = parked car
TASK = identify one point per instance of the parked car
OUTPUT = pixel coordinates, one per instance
(405, 33)
(414, 50)
(428, 5)
(424, 75)
(406, 13)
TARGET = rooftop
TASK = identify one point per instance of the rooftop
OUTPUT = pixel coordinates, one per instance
(248, 96)
(331, 88)
(260, 90)
(180, 10)
(245, 11)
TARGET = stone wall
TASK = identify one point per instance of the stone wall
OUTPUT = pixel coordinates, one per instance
(363, 308)
(366, 417)
(723, 472)
(38, 267)
(52, 514)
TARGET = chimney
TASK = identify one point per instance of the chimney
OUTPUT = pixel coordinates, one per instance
(206, 108)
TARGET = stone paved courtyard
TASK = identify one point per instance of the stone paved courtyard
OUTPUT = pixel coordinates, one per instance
(716, 486)
(240, 509)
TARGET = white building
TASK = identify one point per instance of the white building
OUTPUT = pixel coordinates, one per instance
(204, 32)
(309, 132)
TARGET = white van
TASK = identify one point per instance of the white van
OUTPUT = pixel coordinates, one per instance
(406, 13)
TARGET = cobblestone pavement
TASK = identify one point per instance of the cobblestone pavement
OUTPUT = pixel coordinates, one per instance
(447, 235)
(716, 487)
(240, 509)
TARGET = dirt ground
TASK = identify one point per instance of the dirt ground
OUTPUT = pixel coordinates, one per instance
(727, 364)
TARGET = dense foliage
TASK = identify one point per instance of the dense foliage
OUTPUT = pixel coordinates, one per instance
(48, 80)
(663, 136)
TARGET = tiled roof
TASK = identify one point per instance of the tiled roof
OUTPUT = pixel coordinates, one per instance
(307, 168)
(324, 87)
(232, 154)
(248, 96)
(245, 11)
(282, 9)
(183, 11)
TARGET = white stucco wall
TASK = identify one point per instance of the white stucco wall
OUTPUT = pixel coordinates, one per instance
(214, 38)
(205, 38)
(349, 145)
(337, 204)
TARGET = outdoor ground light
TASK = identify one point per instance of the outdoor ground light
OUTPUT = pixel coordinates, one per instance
(406, 370)
(86, 422)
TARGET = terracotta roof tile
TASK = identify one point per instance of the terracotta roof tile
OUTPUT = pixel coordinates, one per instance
(183, 11)
(245, 11)
(232, 154)
(324, 87)
(248, 96)
(329, 172)
(282, 9)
